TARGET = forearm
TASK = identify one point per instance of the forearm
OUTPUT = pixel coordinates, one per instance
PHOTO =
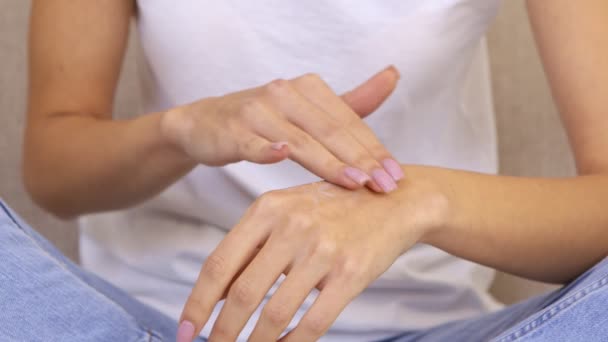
(539, 228)
(76, 164)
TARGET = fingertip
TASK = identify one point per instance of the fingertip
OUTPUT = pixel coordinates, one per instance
(351, 185)
(384, 180)
(185, 331)
(356, 175)
(394, 71)
(280, 149)
(374, 187)
(279, 146)
(345, 182)
(393, 168)
(278, 156)
(277, 152)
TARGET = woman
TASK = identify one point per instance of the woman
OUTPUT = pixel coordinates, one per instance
(209, 89)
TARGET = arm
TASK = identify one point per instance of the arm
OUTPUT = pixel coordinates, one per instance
(77, 159)
(339, 241)
(545, 229)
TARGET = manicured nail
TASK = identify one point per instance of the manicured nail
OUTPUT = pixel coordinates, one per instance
(385, 181)
(357, 175)
(278, 145)
(185, 332)
(393, 168)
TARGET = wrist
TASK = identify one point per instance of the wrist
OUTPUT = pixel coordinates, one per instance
(194, 130)
(168, 135)
(173, 126)
(425, 203)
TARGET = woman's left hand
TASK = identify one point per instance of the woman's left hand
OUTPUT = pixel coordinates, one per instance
(319, 235)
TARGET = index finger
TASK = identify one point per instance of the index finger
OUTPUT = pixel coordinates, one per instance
(216, 275)
(336, 107)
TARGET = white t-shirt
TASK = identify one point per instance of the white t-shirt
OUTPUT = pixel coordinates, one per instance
(440, 114)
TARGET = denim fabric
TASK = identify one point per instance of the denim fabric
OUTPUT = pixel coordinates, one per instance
(45, 297)
(576, 312)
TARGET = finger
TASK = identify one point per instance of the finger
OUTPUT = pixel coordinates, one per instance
(322, 314)
(249, 289)
(283, 305)
(218, 271)
(307, 151)
(327, 131)
(367, 97)
(257, 149)
(249, 259)
(319, 93)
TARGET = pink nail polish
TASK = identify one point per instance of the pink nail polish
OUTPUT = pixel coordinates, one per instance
(185, 332)
(278, 145)
(357, 175)
(385, 181)
(393, 168)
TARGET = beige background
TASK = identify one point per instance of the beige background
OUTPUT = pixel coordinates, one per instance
(531, 139)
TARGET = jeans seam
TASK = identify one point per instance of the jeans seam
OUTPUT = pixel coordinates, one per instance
(554, 310)
(8, 213)
(63, 267)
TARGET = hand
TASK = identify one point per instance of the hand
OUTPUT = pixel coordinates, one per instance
(301, 119)
(319, 235)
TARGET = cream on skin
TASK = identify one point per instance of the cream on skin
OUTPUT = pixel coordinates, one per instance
(499, 221)
(502, 222)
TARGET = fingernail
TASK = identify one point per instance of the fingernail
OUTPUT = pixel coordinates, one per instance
(278, 145)
(385, 181)
(393, 168)
(185, 332)
(357, 175)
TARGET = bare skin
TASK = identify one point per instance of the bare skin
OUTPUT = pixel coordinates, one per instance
(76, 51)
(341, 246)
(502, 222)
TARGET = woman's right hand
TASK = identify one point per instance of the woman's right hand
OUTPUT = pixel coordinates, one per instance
(301, 119)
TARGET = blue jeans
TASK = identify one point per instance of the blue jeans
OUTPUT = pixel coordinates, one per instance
(46, 297)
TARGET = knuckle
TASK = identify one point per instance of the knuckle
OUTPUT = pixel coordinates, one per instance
(351, 270)
(353, 122)
(299, 221)
(316, 324)
(194, 306)
(214, 267)
(268, 202)
(299, 140)
(325, 249)
(222, 331)
(276, 315)
(251, 109)
(310, 79)
(242, 293)
(331, 131)
(277, 88)
(296, 225)
(248, 145)
(234, 123)
(379, 151)
(365, 162)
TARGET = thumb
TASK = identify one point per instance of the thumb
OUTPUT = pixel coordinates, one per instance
(367, 97)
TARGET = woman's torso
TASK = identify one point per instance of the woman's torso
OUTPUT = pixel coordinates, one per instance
(440, 114)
